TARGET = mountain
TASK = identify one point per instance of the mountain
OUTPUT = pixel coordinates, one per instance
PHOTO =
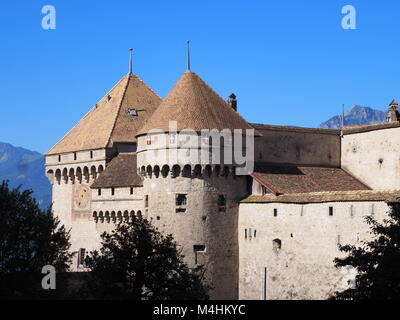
(26, 168)
(356, 116)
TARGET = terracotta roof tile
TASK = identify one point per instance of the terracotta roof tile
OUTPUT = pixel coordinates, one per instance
(304, 179)
(120, 172)
(330, 196)
(108, 122)
(370, 127)
(194, 105)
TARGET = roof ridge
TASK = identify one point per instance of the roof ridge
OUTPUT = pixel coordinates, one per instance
(87, 113)
(118, 110)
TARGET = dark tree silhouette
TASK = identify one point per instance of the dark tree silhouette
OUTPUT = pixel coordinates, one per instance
(29, 239)
(377, 261)
(138, 262)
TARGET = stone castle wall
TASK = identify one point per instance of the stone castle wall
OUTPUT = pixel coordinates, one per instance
(373, 157)
(303, 267)
(306, 147)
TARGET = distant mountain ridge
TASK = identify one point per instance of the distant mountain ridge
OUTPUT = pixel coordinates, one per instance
(26, 168)
(357, 115)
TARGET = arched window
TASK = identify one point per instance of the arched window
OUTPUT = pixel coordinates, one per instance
(93, 172)
(86, 174)
(101, 216)
(197, 171)
(113, 217)
(187, 171)
(58, 176)
(139, 214)
(107, 217)
(176, 171)
(276, 244)
(165, 171)
(156, 171)
(217, 170)
(119, 216)
(149, 171)
(71, 175)
(126, 216)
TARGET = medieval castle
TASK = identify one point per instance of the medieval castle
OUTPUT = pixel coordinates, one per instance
(272, 233)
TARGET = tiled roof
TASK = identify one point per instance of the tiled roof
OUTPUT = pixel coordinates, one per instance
(108, 121)
(259, 126)
(281, 179)
(194, 105)
(330, 196)
(120, 172)
(370, 127)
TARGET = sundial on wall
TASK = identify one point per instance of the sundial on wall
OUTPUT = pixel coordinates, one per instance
(81, 198)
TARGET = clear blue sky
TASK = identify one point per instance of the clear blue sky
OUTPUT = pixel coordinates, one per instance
(289, 62)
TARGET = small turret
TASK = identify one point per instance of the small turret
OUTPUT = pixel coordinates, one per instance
(393, 112)
(232, 101)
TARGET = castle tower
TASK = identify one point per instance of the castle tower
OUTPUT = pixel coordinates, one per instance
(78, 159)
(393, 112)
(189, 192)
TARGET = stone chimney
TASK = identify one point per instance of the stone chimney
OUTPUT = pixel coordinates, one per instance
(232, 101)
(393, 112)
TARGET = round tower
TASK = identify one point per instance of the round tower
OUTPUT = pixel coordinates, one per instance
(191, 189)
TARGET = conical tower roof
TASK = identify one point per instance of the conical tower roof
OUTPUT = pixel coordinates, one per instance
(109, 120)
(194, 105)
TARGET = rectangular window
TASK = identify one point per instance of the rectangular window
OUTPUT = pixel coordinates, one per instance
(372, 209)
(74, 155)
(199, 251)
(59, 158)
(146, 201)
(275, 212)
(221, 203)
(81, 257)
(99, 192)
(245, 233)
(112, 191)
(331, 211)
(181, 202)
(91, 154)
(131, 191)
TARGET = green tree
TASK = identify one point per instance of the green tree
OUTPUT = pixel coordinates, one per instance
(138, 262)
(377, 262)
(29, 239)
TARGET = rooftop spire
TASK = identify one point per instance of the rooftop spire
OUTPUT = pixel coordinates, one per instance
(188, 55)
(130, 61)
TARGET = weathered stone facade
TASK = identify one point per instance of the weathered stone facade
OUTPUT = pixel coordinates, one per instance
(267, 234)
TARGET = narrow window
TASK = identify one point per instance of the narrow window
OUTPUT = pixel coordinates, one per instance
(245, 233)
(81, 257)
(276, 244)
(275, 212)
(131, 190)
(250, 234)
(99, 192)
(181, 202)
(330, 211)
(112, 191)
(59, 158)
(74, 155)
(264, 190)
(199, 251)
(91, 154)
(146, 201)
(372, 209)
(351, 211)
(148, 140)
(221, 203)
(255, 233)
(338, 239)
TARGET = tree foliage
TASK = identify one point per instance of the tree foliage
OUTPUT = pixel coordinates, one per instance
(377, 262)
(138, 262)
(29, 239)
